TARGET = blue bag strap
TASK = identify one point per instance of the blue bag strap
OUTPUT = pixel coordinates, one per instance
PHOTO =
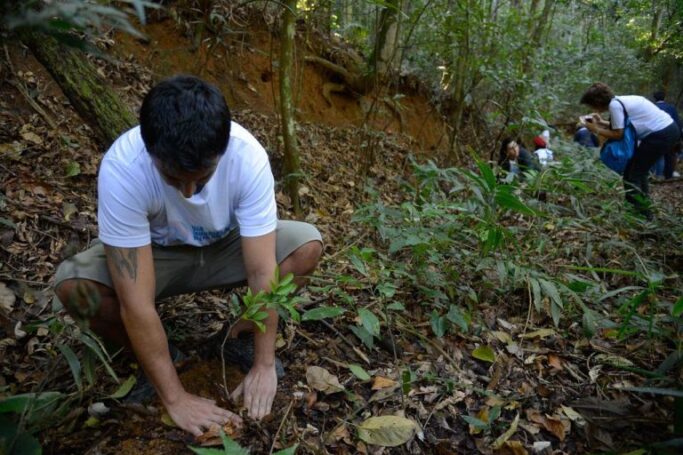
(626, 119)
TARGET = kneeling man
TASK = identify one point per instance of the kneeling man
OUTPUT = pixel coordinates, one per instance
(186, 203)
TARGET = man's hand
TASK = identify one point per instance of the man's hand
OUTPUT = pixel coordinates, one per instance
(196, 414)
(258, 388)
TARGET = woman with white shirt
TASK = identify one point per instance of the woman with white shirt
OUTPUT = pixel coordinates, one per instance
(655, 129)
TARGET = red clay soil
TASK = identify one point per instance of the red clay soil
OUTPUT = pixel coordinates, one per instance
(246, 72)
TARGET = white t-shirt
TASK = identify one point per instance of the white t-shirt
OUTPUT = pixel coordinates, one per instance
(544, 156)
(645, 116)
(137, 207)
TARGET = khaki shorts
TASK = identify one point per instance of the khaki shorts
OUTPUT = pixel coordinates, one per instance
(184, 269)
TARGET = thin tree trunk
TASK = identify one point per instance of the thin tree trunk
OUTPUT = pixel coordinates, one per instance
(93, 98)
(347, 16)
(386, 41)
(291, 166)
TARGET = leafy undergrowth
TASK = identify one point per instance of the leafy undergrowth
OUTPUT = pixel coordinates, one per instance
(483, 316)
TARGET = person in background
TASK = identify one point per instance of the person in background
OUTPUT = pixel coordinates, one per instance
(585, 137)
(515, 159)
(542, 152)
(655, 129)
(671, 157)
(546, 137)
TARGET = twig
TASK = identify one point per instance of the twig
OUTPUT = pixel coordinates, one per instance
(345, 339)
(309, 339)
(282, 423)
(430, 342)
(347, 247)
(24, 92)
(83, 230)
(225, 380)
(7, 170)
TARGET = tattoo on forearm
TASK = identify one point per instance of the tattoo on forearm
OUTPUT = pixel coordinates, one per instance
(125, 259)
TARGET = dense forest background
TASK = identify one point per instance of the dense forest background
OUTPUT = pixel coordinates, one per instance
(453, 312)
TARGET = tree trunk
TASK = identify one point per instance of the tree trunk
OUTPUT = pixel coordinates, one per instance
(462, 71)
(291, 166)
(386, 41)
(347, 16)
(91, 96)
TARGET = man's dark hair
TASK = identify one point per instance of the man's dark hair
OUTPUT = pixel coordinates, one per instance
(598, 95)
(185, 123)
(659, 95)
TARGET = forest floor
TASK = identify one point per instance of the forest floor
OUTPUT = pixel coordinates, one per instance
(555, 390)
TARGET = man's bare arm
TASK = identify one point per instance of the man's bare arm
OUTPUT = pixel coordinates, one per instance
(260, 385)
(132, 272)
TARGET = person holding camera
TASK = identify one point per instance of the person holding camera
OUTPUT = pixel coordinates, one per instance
(655, 129)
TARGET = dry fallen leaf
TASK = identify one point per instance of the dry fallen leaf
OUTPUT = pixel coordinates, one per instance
(540, 446)
(574, 416)
(381, 382)
(388, 431)
(555, 362)
(29, 135)
(557, 426)
(613, 360)
(69, 210)
(324, 381)
(341, 433)
(512, 448)
(503, 438)
(18, 332)
(541, 333)
(213, 436)
(7, 298)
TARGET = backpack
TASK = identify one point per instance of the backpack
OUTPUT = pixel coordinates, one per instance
(616, 153)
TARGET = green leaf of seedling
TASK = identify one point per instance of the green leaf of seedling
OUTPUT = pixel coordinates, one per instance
(494, 413)
(261, 326)
(72, 169)
(18, 403)
(677, 310)
(369, 321)
(8, 223)
(387, 290)
(287, 280)
(484, 353)
(396, 306)
(476, 423)
(285, 290)
(101, 354)
(74, 363)
(536, 288)
(323, 312)
(511, 202)
(363, 335)
(260, 316)
(231, 447)
(407, 379)
(358, 265)
(359, 372)
(124, 388)
(287, 451)
(457, 317)
(487, 174)
(293, 313)
(589, 322)
(579, 286)
(438, 323)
